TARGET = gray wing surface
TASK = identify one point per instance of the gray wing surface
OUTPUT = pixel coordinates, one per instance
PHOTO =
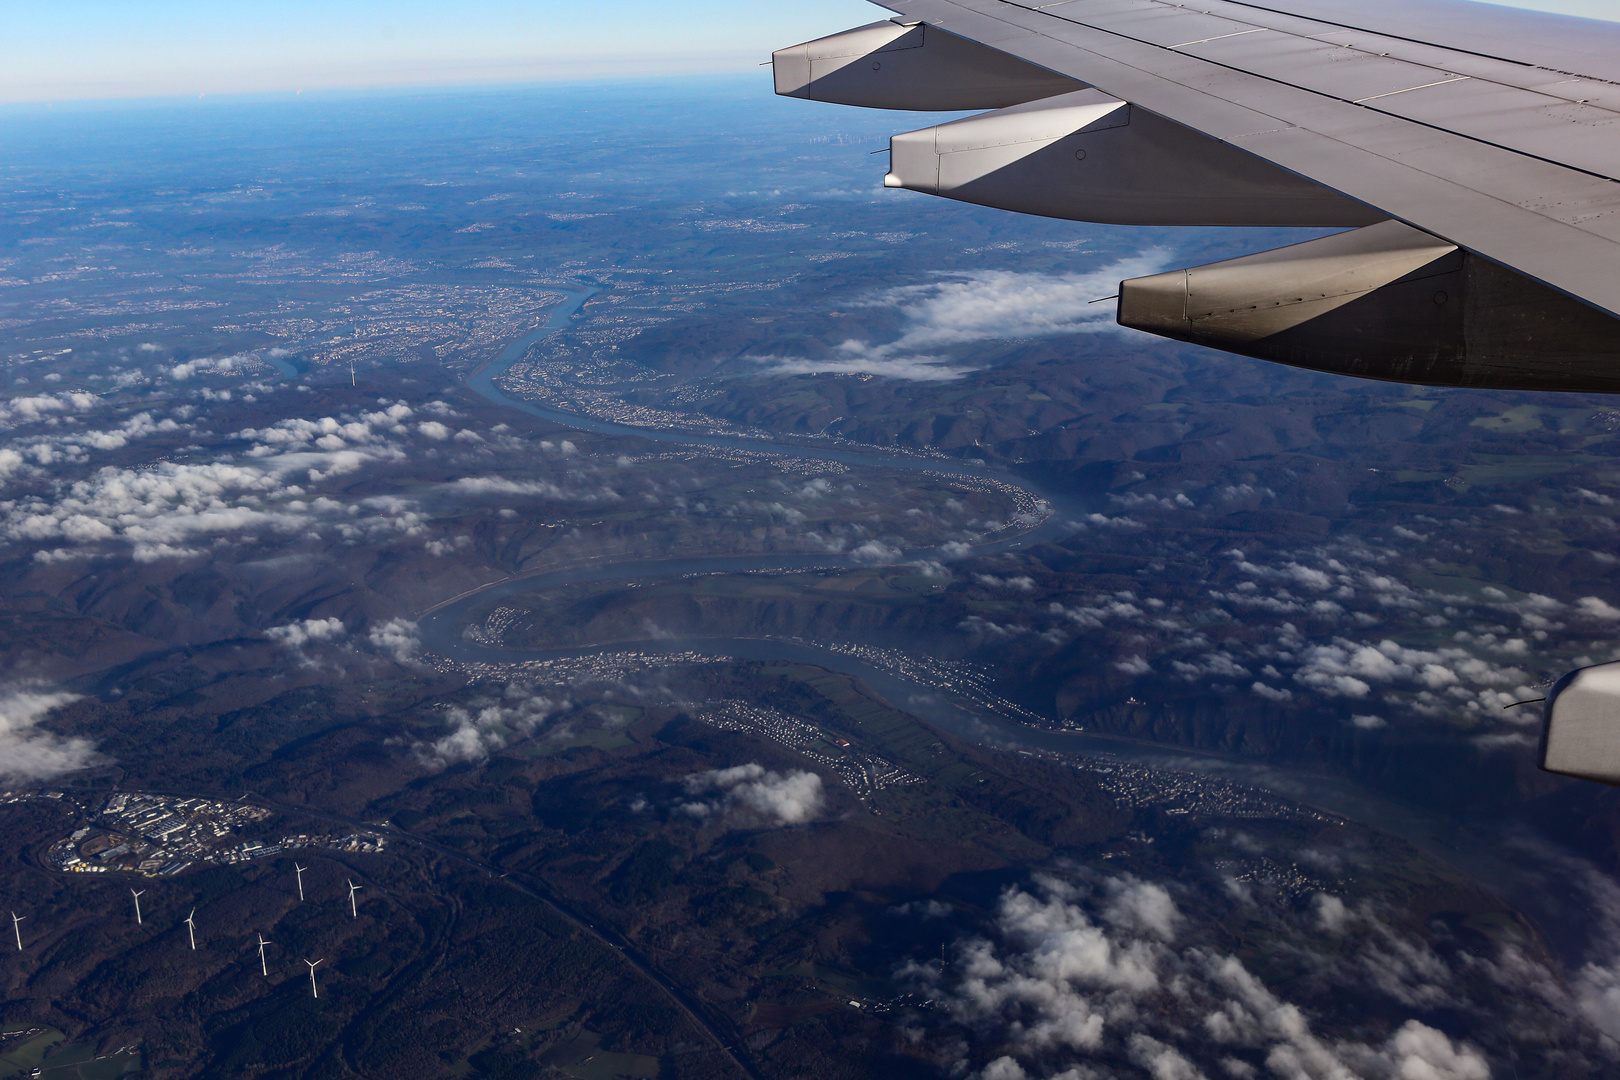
(1492, 128)
(1470, 150)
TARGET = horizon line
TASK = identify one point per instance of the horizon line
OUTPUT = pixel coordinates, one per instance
(550, 71)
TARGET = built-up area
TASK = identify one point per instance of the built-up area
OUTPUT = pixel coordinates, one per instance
(156, 835)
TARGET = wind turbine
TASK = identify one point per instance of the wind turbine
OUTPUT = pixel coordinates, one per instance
(299, 870)
(263, 969)
(191, 928)
(354, 912)
(137, 896)
(15, 919)
(313, 992)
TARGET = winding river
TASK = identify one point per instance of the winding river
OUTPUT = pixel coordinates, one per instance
(1469, 845)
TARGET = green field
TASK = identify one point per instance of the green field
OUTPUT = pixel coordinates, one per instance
(583, 1057)
(75, 1061)
(23, 1058)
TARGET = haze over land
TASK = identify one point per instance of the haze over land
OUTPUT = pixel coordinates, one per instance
(85, 49)
(859, 657)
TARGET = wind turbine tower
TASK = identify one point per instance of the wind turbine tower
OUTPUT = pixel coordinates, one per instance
(137, 896)
(263, 968)
(15, 919)
(191, 928)
(313, 992)
(299, 870)
(354, 912)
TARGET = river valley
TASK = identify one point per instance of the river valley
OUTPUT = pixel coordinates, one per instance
(1479, 847)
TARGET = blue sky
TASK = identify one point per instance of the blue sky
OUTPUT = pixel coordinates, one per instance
(67, 49)
(53, 50)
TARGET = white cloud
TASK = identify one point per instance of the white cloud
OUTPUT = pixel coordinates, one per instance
(136, 427)
(64, 440)
(1141, 907)
(546, 489)
(1022, 583)
(183, 371)
(329, 432)
(1445, 679)
(1003, 1068)
(1419, 1052)
(1216, 665)
(1162, 1062)
(1103, 521)
(488, 727)
(911, 368)
(164, 507)
(27, 410)
(876, 552)
(295, 635)
(975, 306)
(449, 546)
(398, 638)
(28, 754)
(1483, 667)
(1597, 608)
(1594, 990)
(962, 308)
(1093, 613)
(1134, 499)
(986, 630)
(500, 485)
(790, 800)
(1074, 972)
(1331, 913)
(171, 509)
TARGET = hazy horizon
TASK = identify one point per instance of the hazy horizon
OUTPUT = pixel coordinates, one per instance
(81, 50)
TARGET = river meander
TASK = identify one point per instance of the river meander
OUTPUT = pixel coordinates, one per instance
(1469, 845)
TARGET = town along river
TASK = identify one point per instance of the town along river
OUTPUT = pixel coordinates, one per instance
(1470, 845)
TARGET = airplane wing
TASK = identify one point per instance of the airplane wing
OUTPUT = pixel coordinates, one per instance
(1474, 146)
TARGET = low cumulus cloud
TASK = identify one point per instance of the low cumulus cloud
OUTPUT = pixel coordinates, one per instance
(174, 509)
(48, 432)
(1350, 669)
(792, 799)
(1594, 990)
(488, 727)
(543, 489)
(397, 638)
(959, 309)
(31, 409)
(160, 512)
(876, 552)
(1291, 627)
(295, 635)
(1085, 979)
(222, 364)
(30, 754)
(328, 432)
